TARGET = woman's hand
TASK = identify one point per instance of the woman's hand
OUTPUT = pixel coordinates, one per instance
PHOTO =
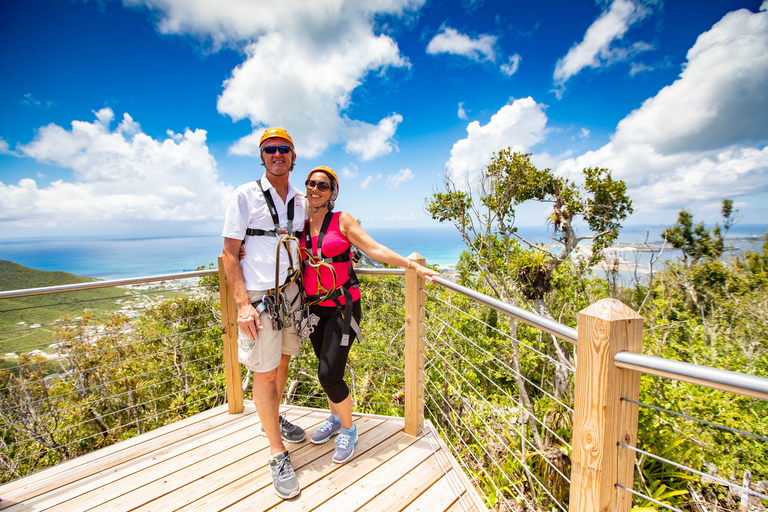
(424, 272)
(241, 255)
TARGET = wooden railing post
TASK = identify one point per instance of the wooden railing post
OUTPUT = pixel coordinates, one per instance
(415, 302)
(600, 418)
(229, 330)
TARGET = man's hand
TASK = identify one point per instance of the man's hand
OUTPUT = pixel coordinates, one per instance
(248, 321)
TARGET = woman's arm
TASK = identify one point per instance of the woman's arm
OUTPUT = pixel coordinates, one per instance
(374, 250)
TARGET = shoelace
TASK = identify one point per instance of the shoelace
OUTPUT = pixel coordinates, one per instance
(343, 440)
(285, 469)
(327, 425)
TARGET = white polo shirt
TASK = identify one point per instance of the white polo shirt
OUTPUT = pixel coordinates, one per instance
(246, 209)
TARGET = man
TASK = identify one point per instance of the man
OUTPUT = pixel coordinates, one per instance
(261, 214)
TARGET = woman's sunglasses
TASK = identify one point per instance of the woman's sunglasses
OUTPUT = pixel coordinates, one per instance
(321, 185)
(270, 150)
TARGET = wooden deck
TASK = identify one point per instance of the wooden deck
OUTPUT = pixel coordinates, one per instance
(217, 461)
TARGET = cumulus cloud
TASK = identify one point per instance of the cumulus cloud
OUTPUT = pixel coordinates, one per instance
(120, 174)
(462, 113)
(519, 125)
(703, 136)
(350, 173)
(510, 68)
(368, 141)
(367, 181)
(303, 61)
(597, 48)
(452, 41)
(395, 180)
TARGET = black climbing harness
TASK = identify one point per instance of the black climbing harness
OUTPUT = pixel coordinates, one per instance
(274, 302)
(334, 293)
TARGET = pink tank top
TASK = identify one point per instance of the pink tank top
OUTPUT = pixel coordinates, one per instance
(334, 243)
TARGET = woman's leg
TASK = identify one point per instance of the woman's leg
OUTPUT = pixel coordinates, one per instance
(332, 361)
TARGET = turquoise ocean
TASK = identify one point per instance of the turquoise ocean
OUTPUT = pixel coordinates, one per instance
(118, 258)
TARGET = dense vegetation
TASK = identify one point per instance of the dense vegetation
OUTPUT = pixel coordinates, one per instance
(499, 391)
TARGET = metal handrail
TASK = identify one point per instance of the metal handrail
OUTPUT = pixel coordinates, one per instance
(713, 378)
(103, 284)
(148, 279)
(545, 324)
(723, 380)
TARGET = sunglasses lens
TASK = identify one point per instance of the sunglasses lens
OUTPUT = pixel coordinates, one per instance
(321, 185)
(270, 150)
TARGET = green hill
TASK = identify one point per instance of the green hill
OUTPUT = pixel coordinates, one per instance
(17, 277)
(44, 310)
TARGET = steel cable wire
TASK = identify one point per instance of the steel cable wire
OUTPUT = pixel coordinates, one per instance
(511, 425)
(715, 479)
(507, 335)
(517, 401)
(504, 365)
(469, 450)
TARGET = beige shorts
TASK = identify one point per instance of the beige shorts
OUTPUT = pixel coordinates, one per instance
(264, 353)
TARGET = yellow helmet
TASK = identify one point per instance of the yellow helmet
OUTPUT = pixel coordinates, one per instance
(271, 133)
(329, 172)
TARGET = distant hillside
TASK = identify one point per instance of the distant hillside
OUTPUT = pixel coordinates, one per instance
(18, 277)
(44, 310)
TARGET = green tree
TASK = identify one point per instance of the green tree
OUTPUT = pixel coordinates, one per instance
(484, 213)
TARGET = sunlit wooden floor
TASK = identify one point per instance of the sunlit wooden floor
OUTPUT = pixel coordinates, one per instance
(217, 461)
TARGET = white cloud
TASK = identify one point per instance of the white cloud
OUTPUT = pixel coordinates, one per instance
(519, 125)
(367, 181)
(511, 67)
(304, 60)
(118, 175)
(704, 136)
(453, 42)
(31, 101)
(463, 113)
(596, 50)
(395, 180)
(584, 133)
(369, 141)
(5, 149)
(348, 173)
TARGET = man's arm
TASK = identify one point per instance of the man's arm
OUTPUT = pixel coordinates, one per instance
(247, 317)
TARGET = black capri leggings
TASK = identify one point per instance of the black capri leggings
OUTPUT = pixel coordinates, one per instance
(331, 356)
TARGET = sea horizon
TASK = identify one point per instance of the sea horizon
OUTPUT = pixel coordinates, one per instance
(116, 258)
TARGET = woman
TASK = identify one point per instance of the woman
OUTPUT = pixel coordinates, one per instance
(333, 294)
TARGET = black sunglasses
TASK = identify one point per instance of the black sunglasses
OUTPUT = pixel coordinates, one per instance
(270, 150)
(321, 185)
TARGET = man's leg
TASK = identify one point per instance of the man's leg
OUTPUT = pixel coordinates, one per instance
(267, 402)
(282, 375)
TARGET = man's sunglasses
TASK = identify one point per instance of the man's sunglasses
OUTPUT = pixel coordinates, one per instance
(321, 185)
(270, 150)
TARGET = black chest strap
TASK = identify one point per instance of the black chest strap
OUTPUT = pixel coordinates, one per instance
(275, 218)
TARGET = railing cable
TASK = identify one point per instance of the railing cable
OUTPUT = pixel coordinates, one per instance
(705, 422)
(716, 479)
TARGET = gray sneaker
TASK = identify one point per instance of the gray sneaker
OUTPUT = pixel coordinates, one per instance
(327, 430)
(288, 431)
(284, 479)
(345, 446)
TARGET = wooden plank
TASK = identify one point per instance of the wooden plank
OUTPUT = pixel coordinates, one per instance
(143, 486)
(439, 497)
(472, 499)
(406, 489)
(219, 477)
(313, 471)
(229, 339)
(122, 466)
(358, 491)
(605, 328)
(414, 348)
(105, 458)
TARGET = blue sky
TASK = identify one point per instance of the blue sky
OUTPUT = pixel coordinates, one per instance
(139, 117)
